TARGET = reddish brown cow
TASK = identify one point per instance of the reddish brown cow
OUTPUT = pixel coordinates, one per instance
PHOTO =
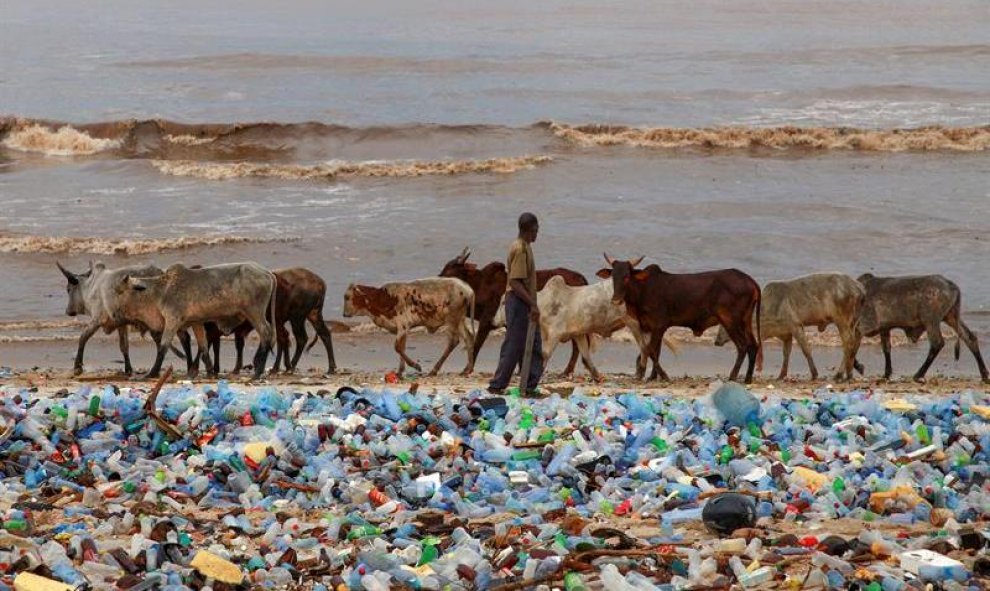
(658, 300)
(299, 297)
(489, 285)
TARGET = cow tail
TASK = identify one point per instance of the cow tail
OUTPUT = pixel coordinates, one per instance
(273, 343)
(312, 341)
(958, 308)
(759, 335)
(474, 333)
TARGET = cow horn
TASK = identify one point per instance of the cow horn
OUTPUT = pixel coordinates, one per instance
(68, 274)
(90, 272)
(636, 263)
(464, 255)
(608, 259)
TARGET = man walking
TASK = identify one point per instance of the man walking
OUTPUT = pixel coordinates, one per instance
(520, 310)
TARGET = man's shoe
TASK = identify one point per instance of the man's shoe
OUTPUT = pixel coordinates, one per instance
(535, 393)
(496, 391)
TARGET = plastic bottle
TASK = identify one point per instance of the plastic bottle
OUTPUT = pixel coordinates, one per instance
(737, 405)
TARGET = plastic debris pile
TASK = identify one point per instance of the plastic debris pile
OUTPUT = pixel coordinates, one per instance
(394, 489)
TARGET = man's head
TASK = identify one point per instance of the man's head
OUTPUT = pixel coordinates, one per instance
(529, 227)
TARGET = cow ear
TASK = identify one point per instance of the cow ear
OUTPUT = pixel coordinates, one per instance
(641, 275)
(604, 273)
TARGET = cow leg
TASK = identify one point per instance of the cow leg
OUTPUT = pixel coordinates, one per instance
(167, 335)
(239, 352)
(788, 342)
(125, 347)
(885, 346)
(850, 346)
(583, 343)
(300, 336)
(320, 326)
(467, 338)
(213, 341)
(656, 342)
(802, 341)
(972, 343)
(202, 351)
(572, 362)
(484, 329)
(400, 348)
(87, 334)
(452, 338)
(935, 343)
(282, 346)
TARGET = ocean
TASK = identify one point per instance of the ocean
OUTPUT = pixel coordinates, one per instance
(373, 141)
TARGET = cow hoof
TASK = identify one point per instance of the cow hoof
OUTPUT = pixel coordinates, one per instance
(76, 371)
(150, 376)
(918, 379)
(432, 374)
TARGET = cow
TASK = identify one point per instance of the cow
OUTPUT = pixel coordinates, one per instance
(181, 296)
(818, 300)
(658, 300)
(431, 303)
(576, 314)
(93, 294)
(300, 294)
(489, 285)
(915, 304)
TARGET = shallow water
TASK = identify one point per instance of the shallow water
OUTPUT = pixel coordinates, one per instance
(428, 138)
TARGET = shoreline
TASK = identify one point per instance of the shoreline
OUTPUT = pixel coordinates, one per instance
(365, 359)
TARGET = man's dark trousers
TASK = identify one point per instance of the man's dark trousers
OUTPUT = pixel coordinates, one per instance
(514, 346)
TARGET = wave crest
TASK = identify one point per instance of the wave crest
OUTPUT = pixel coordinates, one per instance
(333, 170)
(934, 138)
(64, 141)
(118, 246)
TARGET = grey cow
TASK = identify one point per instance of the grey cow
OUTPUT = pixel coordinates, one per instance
(818, 300)
(182, 296)
(93, 294)
(915, 304)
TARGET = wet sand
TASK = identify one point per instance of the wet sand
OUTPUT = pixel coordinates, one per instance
(367, 358)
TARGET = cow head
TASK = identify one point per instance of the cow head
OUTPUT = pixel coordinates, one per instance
(136, 300)
(865, 278)
(74, 287)
(353, 300)
(458, 267)
(622, 273)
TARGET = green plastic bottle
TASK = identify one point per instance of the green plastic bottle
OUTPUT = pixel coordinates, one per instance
(94, 405)
(430, 553)
(524, 455)
(526, 422)
(363, 531)
(573, 582)
(838, 486)
(404, 457)
(922, 432)
(606, 507)
(15, 525)
(725, 455)
(547, 437)
(785, 455)
(659, 444)
(60, 412)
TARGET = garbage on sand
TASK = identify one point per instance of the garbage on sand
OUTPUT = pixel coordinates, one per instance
(219, 487)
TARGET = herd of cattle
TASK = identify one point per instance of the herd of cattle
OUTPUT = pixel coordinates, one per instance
(238, 298)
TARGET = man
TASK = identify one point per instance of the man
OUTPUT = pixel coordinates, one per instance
(520, 310)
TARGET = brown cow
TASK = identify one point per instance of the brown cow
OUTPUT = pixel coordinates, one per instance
(300, 295)
(489, 285)
(658, 300)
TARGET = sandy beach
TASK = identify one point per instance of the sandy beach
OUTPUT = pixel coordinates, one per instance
(365, 359)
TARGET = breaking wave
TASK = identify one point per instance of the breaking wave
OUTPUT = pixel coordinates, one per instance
(64, 141)
(280, 146)
(118, 246)
(228, 170)
(12, 325)
(933, 138)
